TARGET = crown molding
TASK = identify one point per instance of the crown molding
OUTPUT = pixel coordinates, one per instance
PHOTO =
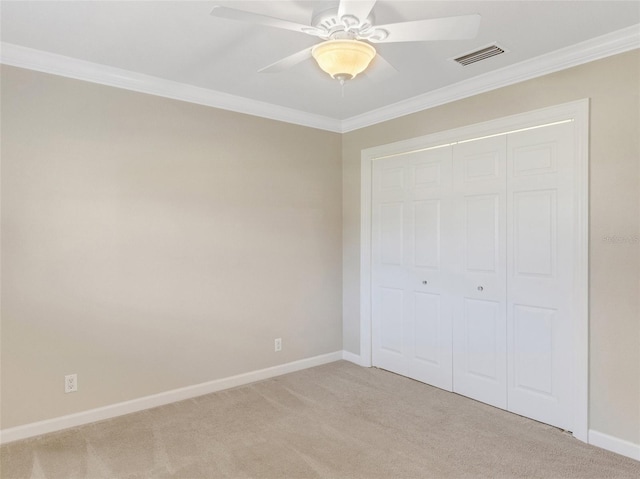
(32, 59)
(613, 43)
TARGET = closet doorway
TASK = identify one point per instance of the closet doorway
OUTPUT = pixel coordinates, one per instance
(478, 262)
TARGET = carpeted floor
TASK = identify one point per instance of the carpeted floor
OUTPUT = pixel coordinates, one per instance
(333, 421)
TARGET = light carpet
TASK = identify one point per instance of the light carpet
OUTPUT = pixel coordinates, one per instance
(333, 421)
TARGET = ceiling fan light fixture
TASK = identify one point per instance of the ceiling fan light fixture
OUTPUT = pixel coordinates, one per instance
(343, 59)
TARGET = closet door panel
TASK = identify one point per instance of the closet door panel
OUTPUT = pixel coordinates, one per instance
(479, 325)
(533, 336)
(481, 222)
(427, 233)
(389, 301)
(411, 302)
(540, 270)
(482, 336)
(427, 335)
(429, 203)
(391, 306)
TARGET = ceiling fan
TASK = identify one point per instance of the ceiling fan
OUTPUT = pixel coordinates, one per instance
(348, 32)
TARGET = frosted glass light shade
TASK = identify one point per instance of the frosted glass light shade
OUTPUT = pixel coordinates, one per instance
(343, 59)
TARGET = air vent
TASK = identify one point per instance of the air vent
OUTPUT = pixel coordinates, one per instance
(482, 54)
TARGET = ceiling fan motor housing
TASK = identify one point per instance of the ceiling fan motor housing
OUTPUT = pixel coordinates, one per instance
(333, 27)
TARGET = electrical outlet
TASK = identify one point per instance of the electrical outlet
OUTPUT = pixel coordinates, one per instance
(278, 344)
(70, 383)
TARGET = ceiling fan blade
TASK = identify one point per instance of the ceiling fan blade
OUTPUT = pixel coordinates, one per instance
(380, 70)
(256, 18)
(358, 8)
(287, 62)
(449, 28)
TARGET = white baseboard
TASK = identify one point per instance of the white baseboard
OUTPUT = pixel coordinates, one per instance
(148, 402)
(596, 438)
(614, 444)
(352, 358)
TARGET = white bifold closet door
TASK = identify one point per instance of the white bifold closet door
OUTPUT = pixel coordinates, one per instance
(540, 235)
(412, 300)
(472, 278)
(480, 322)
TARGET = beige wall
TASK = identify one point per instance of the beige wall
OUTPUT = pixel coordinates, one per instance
(613, 85)
(150, 244)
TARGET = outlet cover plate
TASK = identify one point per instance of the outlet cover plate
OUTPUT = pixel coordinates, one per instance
(70, 383)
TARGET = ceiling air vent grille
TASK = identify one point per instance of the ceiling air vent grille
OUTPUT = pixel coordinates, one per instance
(482, 54)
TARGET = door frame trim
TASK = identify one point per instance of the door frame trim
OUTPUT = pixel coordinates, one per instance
(578, 111)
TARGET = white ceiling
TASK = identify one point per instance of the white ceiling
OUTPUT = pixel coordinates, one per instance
(181, 42)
